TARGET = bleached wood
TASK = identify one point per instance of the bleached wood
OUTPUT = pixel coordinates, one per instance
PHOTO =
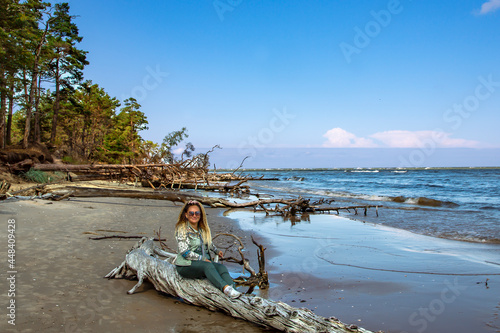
(289, 206)
(142, 262)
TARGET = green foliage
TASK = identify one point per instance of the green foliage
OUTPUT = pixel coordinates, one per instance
(68, 159)
(65, 61)
(151, 152)
(36, 176)
(57, 176)
(172, 140)
(88, 117)
(38, 43)
(18, 121)
(123, 144)
(42, 177)
(77, 118)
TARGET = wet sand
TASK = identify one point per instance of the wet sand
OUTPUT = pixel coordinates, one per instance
(372, 276)
(382, 278)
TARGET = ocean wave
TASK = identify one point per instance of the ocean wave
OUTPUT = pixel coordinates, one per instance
(489, 207)
(365, 171)
(434, 185)
(314, 192)
(418, 201)
(467, 238)
(296, 179)
(423, 201)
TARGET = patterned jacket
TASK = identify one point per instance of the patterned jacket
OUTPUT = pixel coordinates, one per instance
(189, 247)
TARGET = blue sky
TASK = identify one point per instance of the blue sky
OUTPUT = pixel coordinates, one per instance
(256, 75)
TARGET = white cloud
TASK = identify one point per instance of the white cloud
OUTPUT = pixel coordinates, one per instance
(178, 151)
(420, 139)
(340, 138)
(490, 6)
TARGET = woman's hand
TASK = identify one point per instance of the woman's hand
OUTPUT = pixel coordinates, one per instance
(221, 255)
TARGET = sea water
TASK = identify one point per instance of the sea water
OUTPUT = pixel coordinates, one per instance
(454, 203)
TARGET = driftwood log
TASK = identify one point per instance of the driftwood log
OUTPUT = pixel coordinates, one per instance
(285, 207)
(86, 192)
(142, 262)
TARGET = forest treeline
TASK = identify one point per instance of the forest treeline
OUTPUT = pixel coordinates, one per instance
(46, 100)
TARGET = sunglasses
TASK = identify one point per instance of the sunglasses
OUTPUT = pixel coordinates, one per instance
(192, 213)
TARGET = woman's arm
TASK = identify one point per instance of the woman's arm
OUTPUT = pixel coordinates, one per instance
(217, 251)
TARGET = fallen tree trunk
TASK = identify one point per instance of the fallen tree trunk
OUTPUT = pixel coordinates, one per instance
(94, 167)
(175, 196)
(123, 237)
(200, 186)
(171, 195)
(141, 261)
(86, 192)
(288, 207)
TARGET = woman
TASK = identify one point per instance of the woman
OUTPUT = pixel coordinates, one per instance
(196, 252)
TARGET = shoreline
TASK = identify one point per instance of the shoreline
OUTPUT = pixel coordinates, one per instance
(450, 204)
(380, 277)
(382, 168)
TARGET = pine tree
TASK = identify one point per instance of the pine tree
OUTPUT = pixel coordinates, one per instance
(67, 62)
(123, 143)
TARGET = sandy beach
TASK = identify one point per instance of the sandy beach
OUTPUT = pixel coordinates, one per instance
(357, 142)
(376, 277)
(59, 284)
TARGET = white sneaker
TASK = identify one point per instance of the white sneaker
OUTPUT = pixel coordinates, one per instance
(231, 292)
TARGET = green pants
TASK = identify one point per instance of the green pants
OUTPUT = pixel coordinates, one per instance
(214, 272)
